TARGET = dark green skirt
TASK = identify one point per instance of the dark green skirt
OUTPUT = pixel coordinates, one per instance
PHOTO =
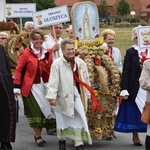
(35, 115)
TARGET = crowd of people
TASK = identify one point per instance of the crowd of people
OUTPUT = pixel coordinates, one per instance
(48, 76)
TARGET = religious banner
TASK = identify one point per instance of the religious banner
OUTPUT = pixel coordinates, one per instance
(51, 16)
(19, 10)
(85, 21)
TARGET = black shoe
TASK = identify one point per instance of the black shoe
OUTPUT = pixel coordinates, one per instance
(79, 147)
(6, 146)
(137, 143)
(62, 145)
(109, 138)
(39, 144)
(147, 142)
(51, 131)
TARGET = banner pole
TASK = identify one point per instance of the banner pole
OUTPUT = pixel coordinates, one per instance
(20, 24)
(54, 33)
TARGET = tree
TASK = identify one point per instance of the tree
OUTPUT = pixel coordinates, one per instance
(42, 4)
(102, 8)
(123, 8)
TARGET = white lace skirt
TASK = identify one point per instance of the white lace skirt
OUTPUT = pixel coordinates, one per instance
(39, 91)
(75, 128)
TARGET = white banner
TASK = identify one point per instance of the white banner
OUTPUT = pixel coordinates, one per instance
(143, 34)
(20, 10)
(51, 16)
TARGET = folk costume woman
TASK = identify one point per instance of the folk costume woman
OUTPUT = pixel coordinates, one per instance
(113, 52)
(128, 118)
(145, 84)
(7, 103)
(31, 76)
(64, 94)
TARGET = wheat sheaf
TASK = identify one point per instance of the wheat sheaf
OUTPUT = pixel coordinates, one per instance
(102, 79)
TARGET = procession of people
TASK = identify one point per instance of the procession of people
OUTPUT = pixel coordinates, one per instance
(76, 86)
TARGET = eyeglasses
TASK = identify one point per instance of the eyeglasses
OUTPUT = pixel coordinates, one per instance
(3, 38)
(31, 28)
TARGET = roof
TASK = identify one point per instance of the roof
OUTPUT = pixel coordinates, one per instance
(110, 2)
(66, 2)
(145, 5)
(71, 2)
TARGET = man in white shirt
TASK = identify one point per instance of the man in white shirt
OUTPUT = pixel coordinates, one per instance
(54, 39)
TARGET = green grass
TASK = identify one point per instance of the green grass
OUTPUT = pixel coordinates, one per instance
(122, 39)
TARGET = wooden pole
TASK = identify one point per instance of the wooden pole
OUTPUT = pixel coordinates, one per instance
(54, 33)
(20, 24)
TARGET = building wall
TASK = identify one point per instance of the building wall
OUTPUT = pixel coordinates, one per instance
(134, 6)
(111, 11)
(2, 2)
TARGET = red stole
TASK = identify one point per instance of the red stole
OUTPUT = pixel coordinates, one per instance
(95, 104)
(109, 53)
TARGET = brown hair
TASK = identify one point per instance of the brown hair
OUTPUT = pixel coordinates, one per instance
(36, 31)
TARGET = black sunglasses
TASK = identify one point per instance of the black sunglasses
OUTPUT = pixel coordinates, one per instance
(31, 28)
(3, 38)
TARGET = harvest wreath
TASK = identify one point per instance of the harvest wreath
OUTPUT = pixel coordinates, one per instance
(105, 82)
(16, 44)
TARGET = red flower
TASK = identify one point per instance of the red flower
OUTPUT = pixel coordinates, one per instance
(97, 61)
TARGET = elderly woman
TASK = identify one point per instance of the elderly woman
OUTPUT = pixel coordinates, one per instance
(68, 74)
(31, 76)
(129, 115)
(3, 38)
(113, 52)
(29, 26)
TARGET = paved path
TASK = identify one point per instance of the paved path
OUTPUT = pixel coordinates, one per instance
(25, 140)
